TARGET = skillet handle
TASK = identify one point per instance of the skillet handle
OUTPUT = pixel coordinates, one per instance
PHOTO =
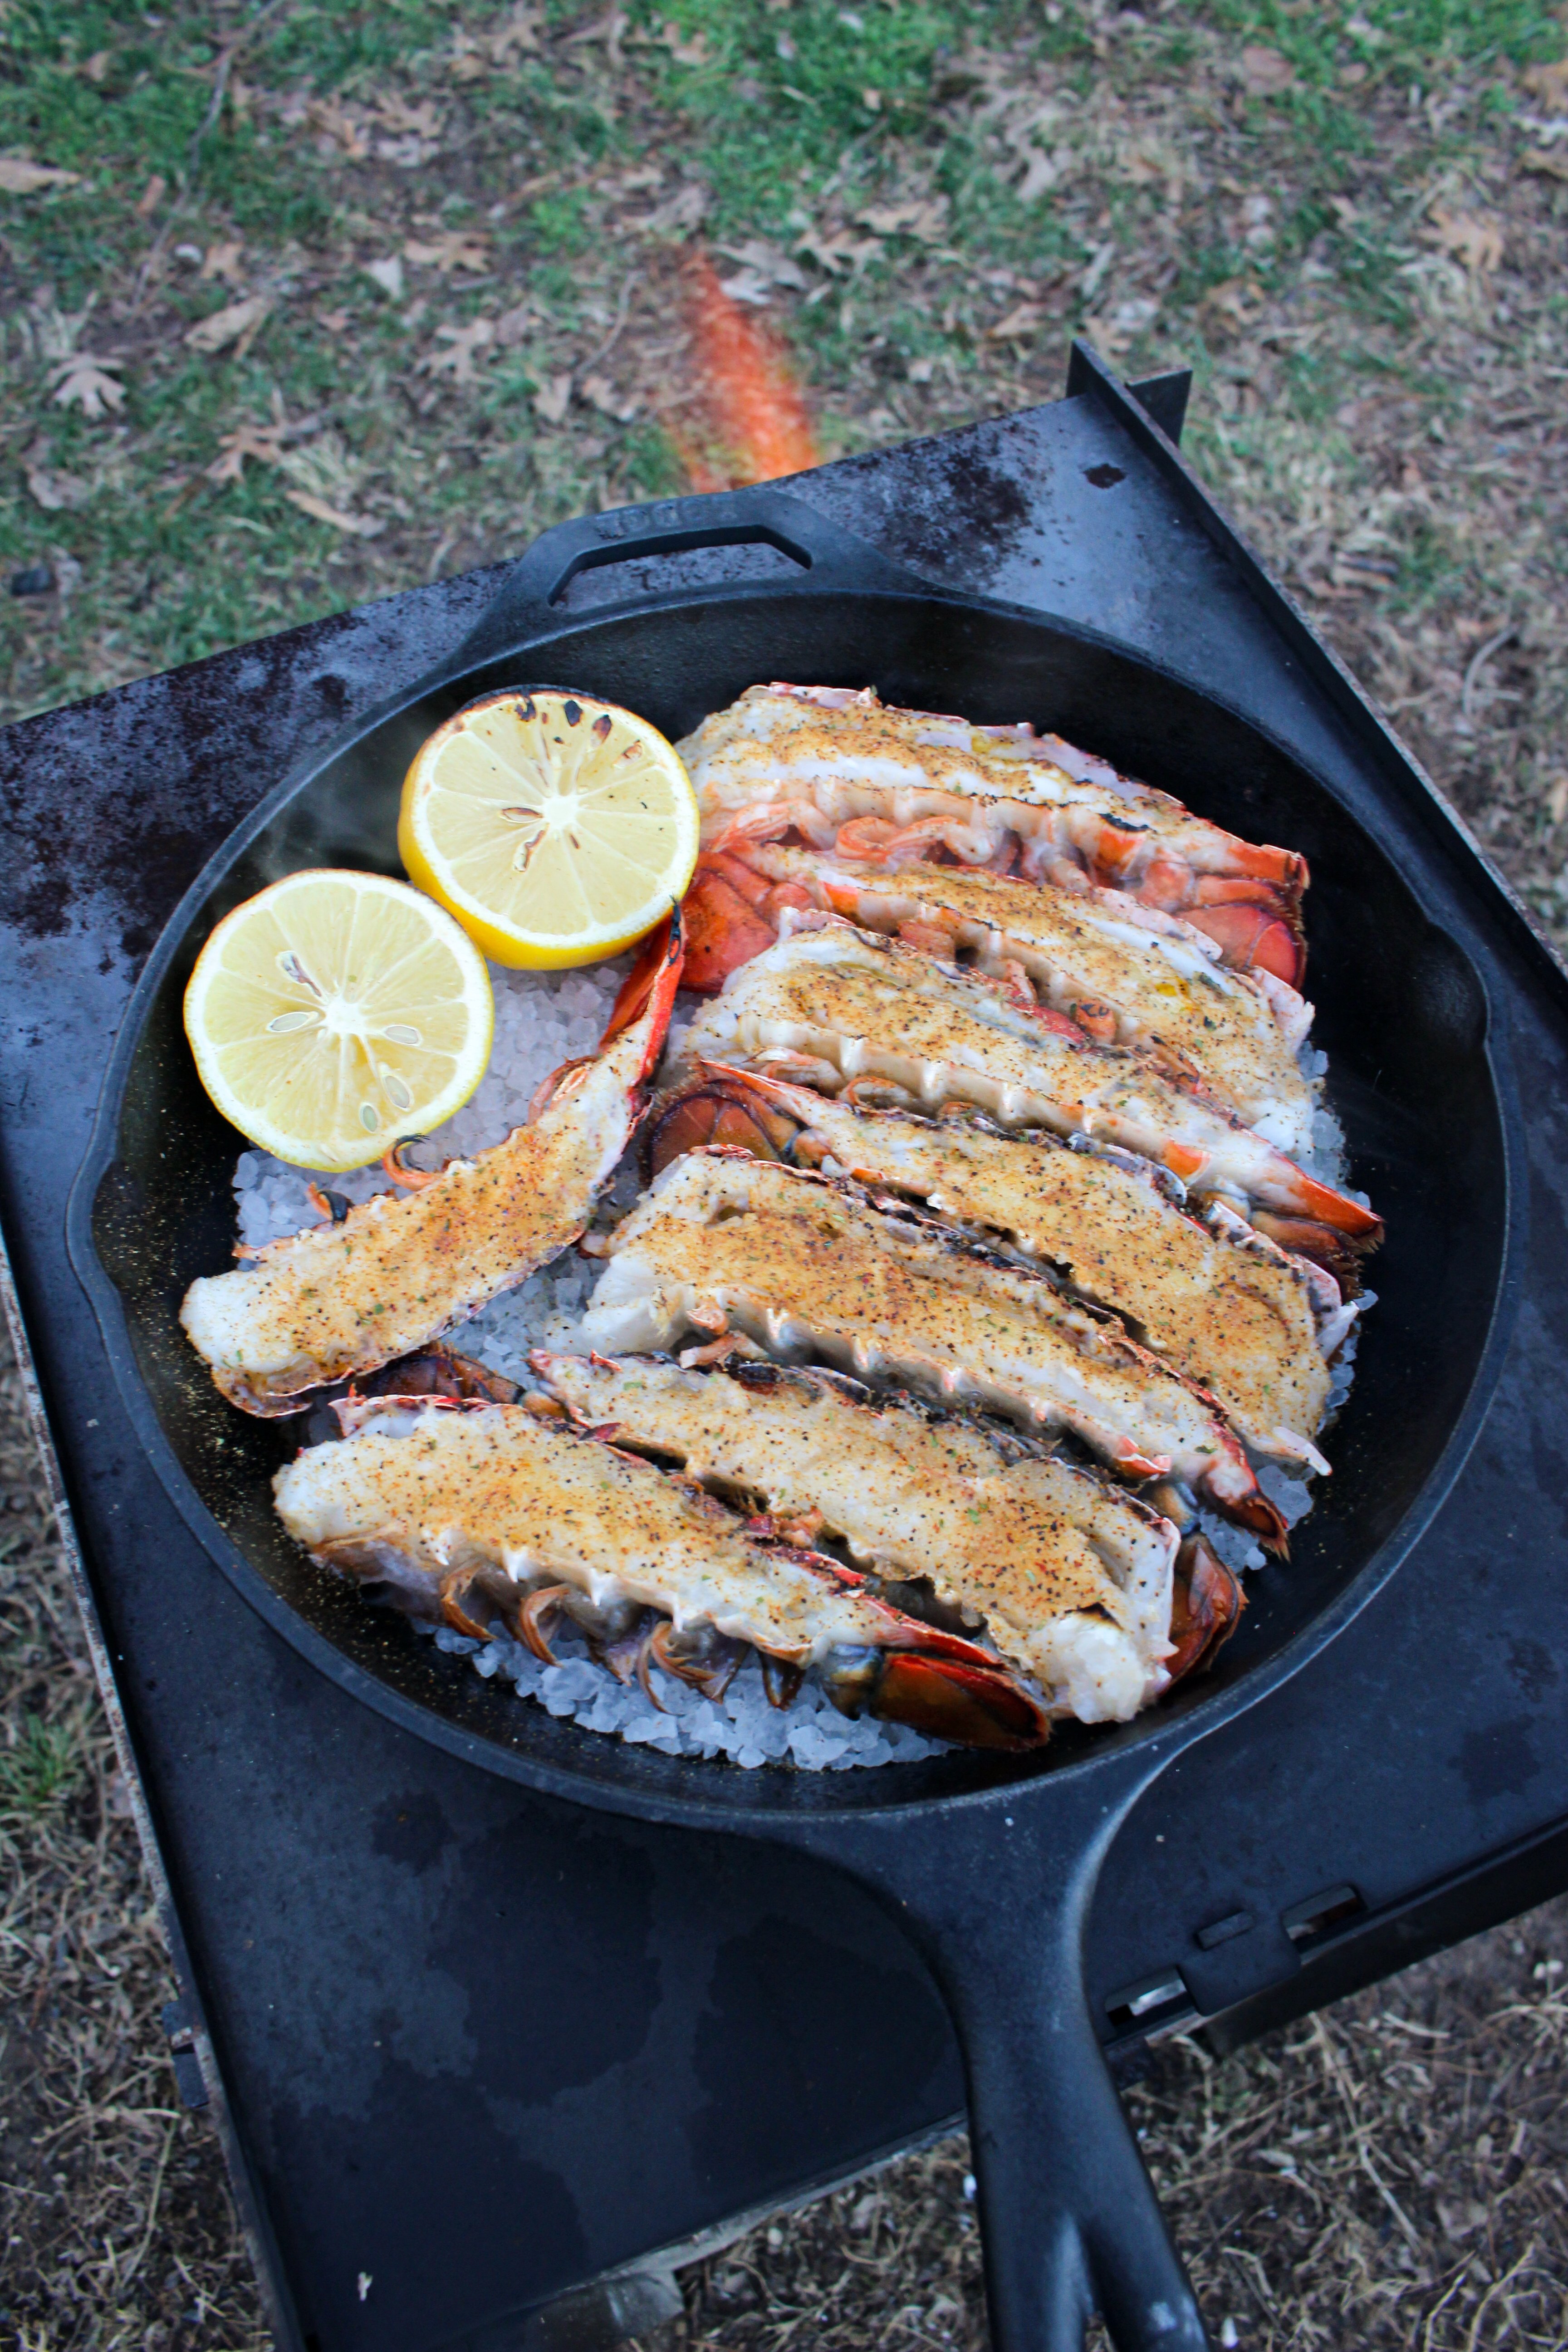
(529, 602)
(1070, 2219)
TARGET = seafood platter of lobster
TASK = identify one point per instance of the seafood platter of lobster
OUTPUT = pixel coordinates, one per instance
(795, 1247)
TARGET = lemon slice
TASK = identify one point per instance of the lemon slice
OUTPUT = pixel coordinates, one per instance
(555, 828)
(335, 1012)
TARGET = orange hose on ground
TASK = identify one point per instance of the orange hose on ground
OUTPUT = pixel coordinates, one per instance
(754, 421)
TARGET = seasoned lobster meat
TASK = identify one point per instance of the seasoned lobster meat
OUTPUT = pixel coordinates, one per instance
(854, 1005)
(844, 772)
(1126, 974)
(798, 1262)
(1254, 1325)
(340, 1299)
(479, 1513)
(1072, 1579)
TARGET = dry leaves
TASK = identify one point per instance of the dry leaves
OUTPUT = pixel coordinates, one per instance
(692, 52)
(1477, 242)
(388, 127)
(262, 442)
(1550, 82)
(600, 394)
(1021, 323)
(54, 491)
(458, 360)
(764, 268)
(449, 250)
(1237, 301)
(89, 383)
(924, 217)
(20, 177)
(678, 216)
(611, 30)
(554, 398)
(238, 322)
(475, 55)
(1542, 160)
(223, 262)
(358, 526)
(840, 251)
(152, 196)
(1265, 73)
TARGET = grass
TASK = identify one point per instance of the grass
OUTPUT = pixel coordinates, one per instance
(1348, 221)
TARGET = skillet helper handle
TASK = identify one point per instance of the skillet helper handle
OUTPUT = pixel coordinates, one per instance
(530, 601)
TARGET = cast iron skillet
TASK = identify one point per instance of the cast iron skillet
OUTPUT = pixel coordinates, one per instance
(989, 1863)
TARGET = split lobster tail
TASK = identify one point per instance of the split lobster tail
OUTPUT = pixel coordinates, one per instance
(975, 1705)
(1206, 1603)
(720, 1106)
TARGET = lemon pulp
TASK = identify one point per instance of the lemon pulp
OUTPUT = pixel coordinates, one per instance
(556, 828)
(335, 1012)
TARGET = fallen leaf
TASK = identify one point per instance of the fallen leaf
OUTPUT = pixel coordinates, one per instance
(1542, 160)
(922, 217)
(19, 176)
(872, 99)
(1264, 72)
(611, 30)
(679, 214)
(237, 322)
(388, 275)
(343, 126)
(361, 526)
(395, 113)
(223, 262)
(1020, 322)
(766, 263)
(519, 29)
(334, 321)
(747, 286)
(512, 327)
(600, 394)
(1239, 299)
(262, 442)
(152, 196)
(1475, 242)
(1042, 172)
(467, 61)
(692, 52)
(843, 250)
(554, 398)
(464, 341)
(1550, 82)
(454, 248)
(85, 382)
(53, 491)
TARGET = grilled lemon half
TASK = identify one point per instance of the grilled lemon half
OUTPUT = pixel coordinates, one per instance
(556, 828)
(335, 1012)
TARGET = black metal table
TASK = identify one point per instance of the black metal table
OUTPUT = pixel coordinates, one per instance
(488, 2066)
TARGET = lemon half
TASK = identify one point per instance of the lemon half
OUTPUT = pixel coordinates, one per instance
(557, 829)
(335, 1012)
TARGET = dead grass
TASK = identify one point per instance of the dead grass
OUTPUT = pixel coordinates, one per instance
(114, 2212)
(1354, 236)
